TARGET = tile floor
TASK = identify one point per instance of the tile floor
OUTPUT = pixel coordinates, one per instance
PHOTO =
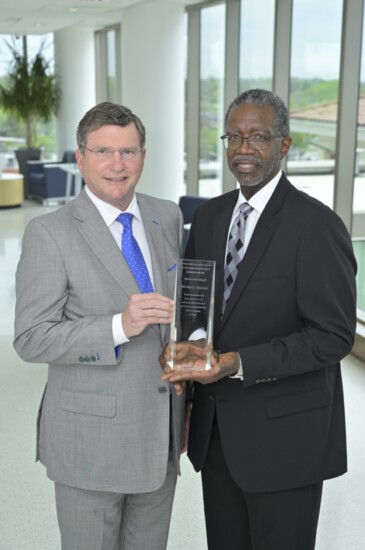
(27, 511)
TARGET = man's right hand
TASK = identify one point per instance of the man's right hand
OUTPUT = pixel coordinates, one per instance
(190, 357)
(146, 309)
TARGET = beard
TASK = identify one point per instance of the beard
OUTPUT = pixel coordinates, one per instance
(264, 175)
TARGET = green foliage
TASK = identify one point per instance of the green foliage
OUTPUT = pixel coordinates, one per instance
(250, 83)
(301, 141)
(30, 92)
(311, 92)
(208, 143)
(211, 94)
(9, 125)
(304, 93)
(112, 87)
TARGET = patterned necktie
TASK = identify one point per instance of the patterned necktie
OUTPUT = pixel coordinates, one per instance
(133, 255)
(235, 250)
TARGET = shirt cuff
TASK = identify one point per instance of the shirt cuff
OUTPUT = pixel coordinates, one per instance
(198, 334)
(239, 373)
(119, 337)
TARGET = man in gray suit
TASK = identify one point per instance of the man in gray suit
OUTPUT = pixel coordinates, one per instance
(109, 429)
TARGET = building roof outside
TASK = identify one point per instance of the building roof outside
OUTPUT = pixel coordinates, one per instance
(327, 112)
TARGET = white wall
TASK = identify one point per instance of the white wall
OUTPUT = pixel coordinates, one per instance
(153, 87)
(153, 54)
(75, 66)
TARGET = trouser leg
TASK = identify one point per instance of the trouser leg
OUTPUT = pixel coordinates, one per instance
(239, 520)
(97, 520)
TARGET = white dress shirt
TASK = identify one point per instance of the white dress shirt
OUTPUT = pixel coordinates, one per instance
(258, 201)
(109, 214)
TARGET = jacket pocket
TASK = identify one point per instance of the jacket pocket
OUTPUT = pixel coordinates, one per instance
(89, 403)
(297, 402)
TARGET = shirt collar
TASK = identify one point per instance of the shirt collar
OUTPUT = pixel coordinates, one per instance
(259, 200)
(108, 212)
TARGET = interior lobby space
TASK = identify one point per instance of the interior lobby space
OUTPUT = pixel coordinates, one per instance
(27, 508)
(178, 64)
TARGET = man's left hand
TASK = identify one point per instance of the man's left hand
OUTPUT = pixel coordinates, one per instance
(226, 364)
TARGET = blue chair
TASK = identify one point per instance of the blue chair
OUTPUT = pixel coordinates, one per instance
(188, 204)
(23, 155)
(47, 180)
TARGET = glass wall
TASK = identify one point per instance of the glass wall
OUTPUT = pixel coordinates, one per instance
(256, 44)
(316, 39)
(359, 189)
(359, 248)
(358, 206)
(314, 86)
(111, 66)
(212, 47)
(108, 77)
(12, 131)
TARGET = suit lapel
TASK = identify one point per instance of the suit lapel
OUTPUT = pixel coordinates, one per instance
(259, 242)
(219, 240)
(154, 233)
(102, 244)
(156, 242)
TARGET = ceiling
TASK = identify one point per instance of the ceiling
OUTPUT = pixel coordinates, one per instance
(21, 17)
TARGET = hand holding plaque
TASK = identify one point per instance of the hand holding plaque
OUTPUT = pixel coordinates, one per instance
(191, 341)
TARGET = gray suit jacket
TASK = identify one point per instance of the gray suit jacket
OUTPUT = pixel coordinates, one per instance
(104, 422)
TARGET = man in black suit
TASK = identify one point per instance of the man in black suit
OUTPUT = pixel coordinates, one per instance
(267, 424)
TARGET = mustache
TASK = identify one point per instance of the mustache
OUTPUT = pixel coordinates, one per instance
(246, 158)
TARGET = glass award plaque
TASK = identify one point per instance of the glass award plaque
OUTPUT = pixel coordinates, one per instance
(193, 313)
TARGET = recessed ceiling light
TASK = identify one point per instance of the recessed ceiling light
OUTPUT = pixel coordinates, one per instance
(95, 1)
(87, 1)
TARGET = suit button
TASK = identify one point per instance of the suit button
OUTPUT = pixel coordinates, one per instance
(162, 389)
(211, 397)
(93, 358)
(258, 381)
(81, 359)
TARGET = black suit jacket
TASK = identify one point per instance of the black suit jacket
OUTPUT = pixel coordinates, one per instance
(292, 318)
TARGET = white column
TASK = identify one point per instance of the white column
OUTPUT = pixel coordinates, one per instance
(75, 65)
(153, 87)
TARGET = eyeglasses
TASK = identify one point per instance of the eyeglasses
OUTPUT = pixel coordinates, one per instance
(258, 142)
(107, 153)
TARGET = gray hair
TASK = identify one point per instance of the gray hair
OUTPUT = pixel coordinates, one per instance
(264, 98)
(105, 114)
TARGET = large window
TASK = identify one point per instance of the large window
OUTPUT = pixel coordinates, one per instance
(249, 48)
(256, 44)
(212, 40)
(34, 43)
(111, 41)
(12, 130)
(317, 35)
(359, 187)
(314, 85)
(108, 77)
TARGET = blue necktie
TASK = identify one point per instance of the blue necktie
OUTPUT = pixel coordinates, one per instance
(133, 255)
